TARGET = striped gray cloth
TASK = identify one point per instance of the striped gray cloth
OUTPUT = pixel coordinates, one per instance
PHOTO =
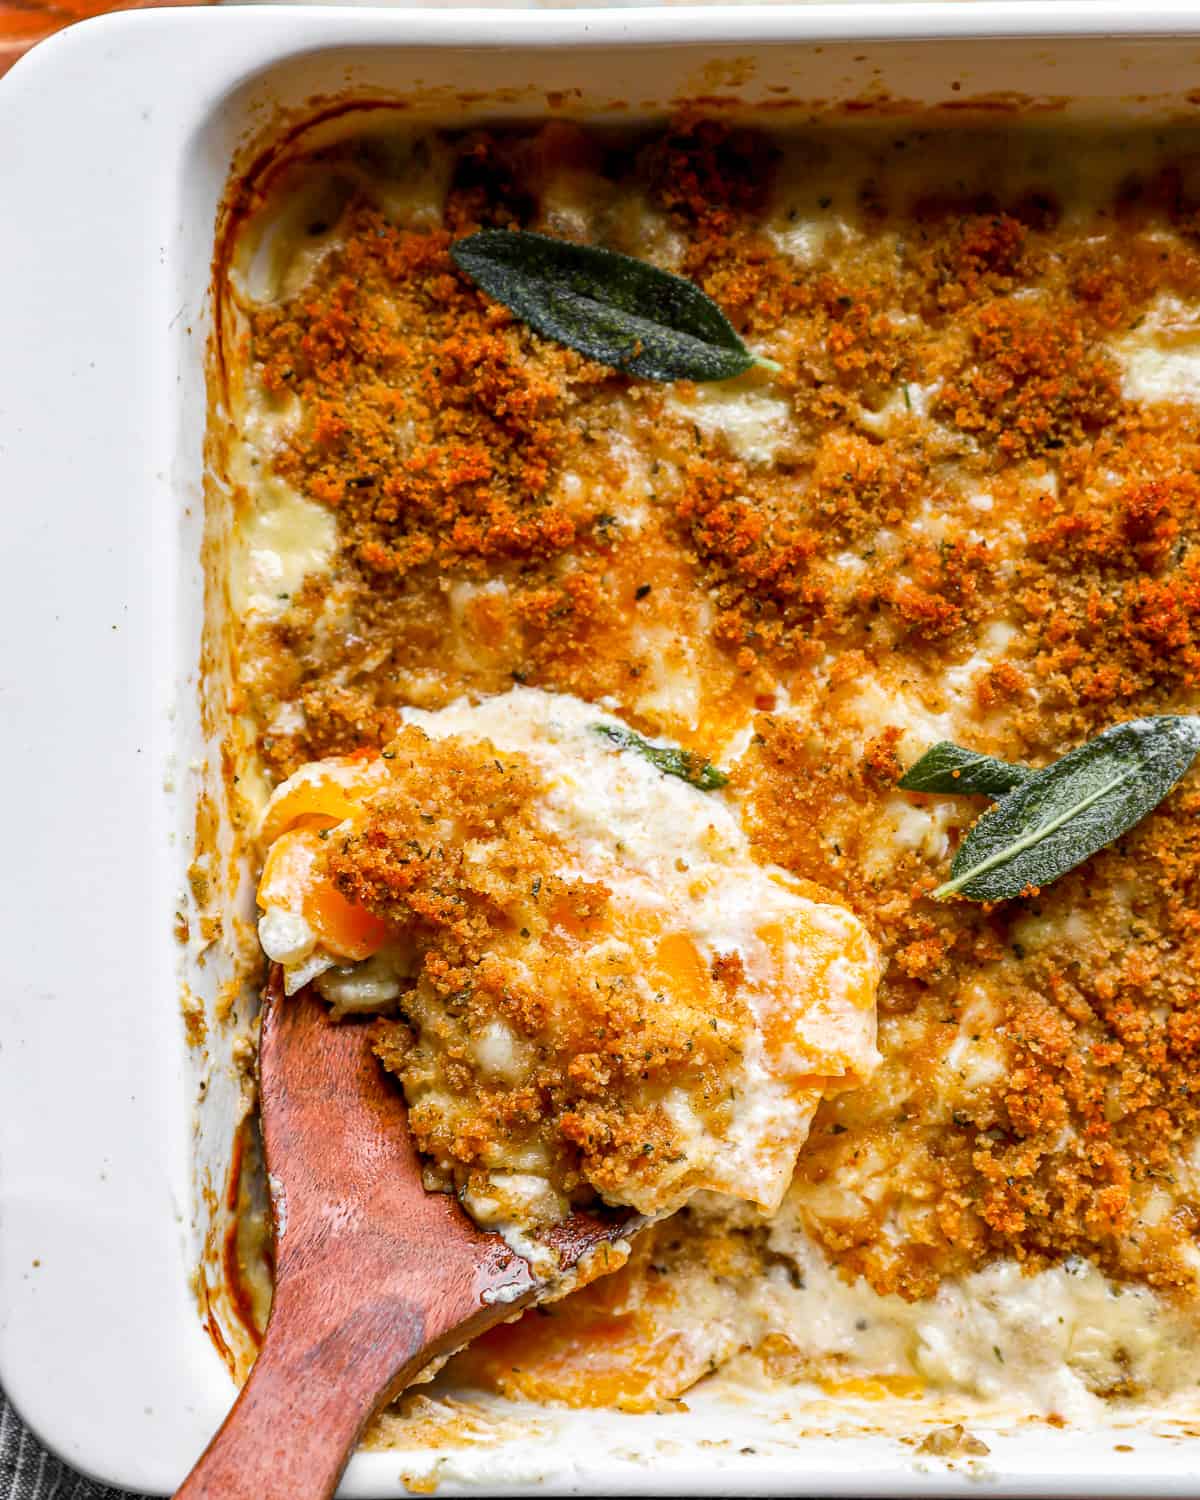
(28, 1472)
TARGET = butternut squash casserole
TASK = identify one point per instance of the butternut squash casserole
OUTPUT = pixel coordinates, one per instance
(579, 704)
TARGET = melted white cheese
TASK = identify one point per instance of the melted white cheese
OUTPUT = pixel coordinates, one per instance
(366, 986)
(754, 423)
(282, 541)
(513, 1201)
(1160, 358)
(285, 936)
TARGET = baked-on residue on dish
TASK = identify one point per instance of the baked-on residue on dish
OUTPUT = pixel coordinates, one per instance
(965, 507)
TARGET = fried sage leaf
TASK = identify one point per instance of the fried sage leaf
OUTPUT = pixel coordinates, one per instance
(1062, 815)
(616, 310)
(672, 760)
(947, 767)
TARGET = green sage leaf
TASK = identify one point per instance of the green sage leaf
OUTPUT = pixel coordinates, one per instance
(616, 310)
(949, 768)
(1062, 815)
(672, 760)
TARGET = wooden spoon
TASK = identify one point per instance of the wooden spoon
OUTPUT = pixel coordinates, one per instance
(374, 1277)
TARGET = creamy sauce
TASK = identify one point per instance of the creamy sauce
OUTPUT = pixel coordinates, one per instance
(1060, 1342)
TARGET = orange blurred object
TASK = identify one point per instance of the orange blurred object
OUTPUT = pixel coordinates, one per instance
(28, 21)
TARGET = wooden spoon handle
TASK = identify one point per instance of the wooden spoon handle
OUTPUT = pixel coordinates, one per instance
(310, 1394)
(374, 1277)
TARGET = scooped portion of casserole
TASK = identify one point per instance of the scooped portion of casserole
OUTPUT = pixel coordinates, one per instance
(593, 988)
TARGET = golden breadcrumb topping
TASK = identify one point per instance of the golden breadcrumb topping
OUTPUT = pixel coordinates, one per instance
(961, 514)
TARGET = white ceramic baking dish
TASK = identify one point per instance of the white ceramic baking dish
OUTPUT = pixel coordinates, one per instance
(116, 143)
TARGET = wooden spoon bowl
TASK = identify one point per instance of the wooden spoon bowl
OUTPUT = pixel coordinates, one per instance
(374, 1277)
